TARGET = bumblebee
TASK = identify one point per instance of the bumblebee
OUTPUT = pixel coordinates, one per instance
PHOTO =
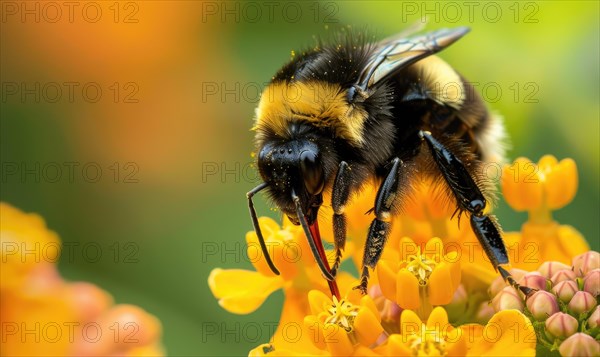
(352, 112)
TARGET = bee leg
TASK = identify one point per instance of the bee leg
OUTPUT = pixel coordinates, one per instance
(257, 229)
(469, 198)
(339, 198)
(382, 224)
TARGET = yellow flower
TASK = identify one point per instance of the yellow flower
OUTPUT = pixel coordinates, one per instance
(547, 185)
(539, 189)
(243, 291)
(42, 315)
(437, 337)
(339, 326)
(418, 279)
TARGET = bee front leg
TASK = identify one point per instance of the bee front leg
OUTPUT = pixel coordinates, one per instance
(382, 224)
(470, 198)
(339, 199)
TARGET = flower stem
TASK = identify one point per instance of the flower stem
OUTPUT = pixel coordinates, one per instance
(540, 216)
(425, 308)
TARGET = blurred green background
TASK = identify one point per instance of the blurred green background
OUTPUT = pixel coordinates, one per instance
(170, 130)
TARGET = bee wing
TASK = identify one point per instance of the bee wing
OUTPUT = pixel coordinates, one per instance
(395, 54)
(410, 30)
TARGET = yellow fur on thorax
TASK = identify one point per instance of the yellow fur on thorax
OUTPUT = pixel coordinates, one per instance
(318, 103)
(442, 82)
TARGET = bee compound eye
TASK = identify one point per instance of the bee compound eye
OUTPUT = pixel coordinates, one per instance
(312, 171)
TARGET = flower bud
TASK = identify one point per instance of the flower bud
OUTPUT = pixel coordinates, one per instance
(579, 345)
(498, 284)
(507, 298)
(562, 275)
(582, 302)
(534, 280)
(565, 290)
(591, 283)
(561, 325)
(542, 304)
(484, 313)
(594, 319)
(586, 262)
(548, 269)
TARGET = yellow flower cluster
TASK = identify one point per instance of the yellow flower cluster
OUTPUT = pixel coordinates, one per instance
(428, 295)
(43, 315)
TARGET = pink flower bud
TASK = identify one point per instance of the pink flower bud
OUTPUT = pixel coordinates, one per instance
(565, 290)
(579, 345)
(498, 284)
(561, 325)
(548, 269)
(594, 320)
(484, 313)
(507, 299)
(591, 283)
(542, 304)
(563, 275)
(586, 262)
(582, 302)
(534, 280)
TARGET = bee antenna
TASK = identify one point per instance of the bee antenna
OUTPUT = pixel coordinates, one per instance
(311, 240)
(261, 239)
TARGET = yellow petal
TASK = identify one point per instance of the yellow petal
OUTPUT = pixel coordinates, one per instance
(507, 330)
(367, 326)
(407, 248)
(407, 291)
(473, 335)
(438, 319)
(291, 334)
(368, 302)
(318, 301)
(397, 346)
(571, 242)
(410, 323)
(337, 340)
(440, 285)
(241, 291)
(315, 328)
(456, 343)
(561, 184)
(434, 249)
(455, 273)
(268, 349)
(546, 164)
(522, 186)
(386, 270)
(254, 252)
(363, 351)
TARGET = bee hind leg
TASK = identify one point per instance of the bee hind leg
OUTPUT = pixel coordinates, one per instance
(382, 224)
(470, 199)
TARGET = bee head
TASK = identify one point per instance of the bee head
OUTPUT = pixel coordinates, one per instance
(294, 166)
